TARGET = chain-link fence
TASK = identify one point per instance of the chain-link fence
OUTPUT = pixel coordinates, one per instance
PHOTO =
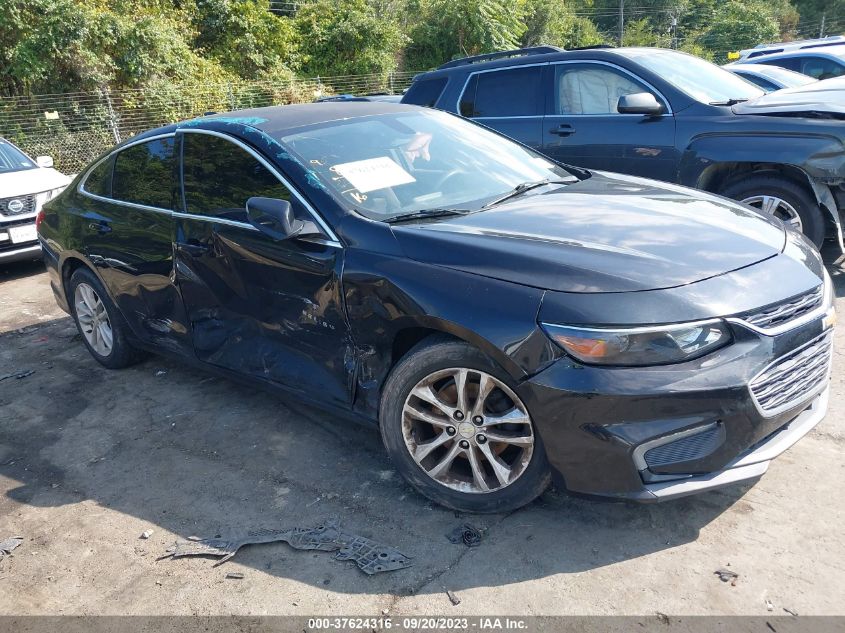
(75, 128)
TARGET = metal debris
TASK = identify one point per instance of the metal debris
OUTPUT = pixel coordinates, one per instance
(9, 544)
(726, 575)
(453, 598)
(769, 606)
(235, 575)
(466, 534)
(370, 556)
(791, 612)
(18, 374)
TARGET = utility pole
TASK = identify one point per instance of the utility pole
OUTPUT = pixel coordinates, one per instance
(821, 29)
(675, 31)
(621, 20)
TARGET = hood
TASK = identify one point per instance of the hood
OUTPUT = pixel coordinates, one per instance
(25, 181)
(609, 233)
(825, 99)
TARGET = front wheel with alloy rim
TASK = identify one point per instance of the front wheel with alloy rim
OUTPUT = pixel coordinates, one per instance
(459, 433)
(102, 327)
(785, 200)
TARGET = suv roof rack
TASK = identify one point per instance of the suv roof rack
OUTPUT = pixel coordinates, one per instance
(796, 45)
(486, 57)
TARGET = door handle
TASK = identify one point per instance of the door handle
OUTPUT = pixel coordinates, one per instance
(564, 129)
(195, 249)
(102, 227)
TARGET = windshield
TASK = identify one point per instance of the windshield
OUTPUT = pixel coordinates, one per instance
(701, 80)
(12, 159)
(391, 165)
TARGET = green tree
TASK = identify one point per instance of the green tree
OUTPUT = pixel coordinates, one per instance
(552, 22)
(739, 24)
(446, 29)
(346, 37)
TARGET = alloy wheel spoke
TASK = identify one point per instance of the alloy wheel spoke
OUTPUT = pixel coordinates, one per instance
(485, 386)
(514, 416)
(106, 335)
(477, 470)
(500, 468)
(522, 440)
(769, 204)
(443, 465)
(423, 450)
(461, 389)
(427, 417)
(426, 394)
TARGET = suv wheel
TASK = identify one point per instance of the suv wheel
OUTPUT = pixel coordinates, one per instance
(783, 199)
(102, 327)
(458, 432)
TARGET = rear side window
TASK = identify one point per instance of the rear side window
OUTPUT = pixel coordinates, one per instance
(219, 178)
(821, 67)
(143, 174)
(425, 92)
(504, 93)
(98, 181)
(787, 62)
(765, 84)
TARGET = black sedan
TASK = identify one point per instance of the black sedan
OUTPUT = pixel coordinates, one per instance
(501, 318)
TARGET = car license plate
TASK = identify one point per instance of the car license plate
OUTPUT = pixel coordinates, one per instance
(25, 233)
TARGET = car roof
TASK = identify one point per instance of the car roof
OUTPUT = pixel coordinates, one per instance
(837, 52)
(283, 119)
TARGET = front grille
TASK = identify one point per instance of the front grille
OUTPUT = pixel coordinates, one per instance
(17, 205)
(786, 311)
(688, 448)
(793, 377)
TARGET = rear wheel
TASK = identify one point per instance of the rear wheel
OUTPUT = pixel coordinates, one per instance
(102, 327)
(459, 433)
(783, 199)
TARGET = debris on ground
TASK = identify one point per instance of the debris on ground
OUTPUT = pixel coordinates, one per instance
(161, 372)
(453, 598)
(370, 556)
(664, 619)
(235, 575)
(771, 628)
(769, 605)
(146, 534)
(18, 375)
(466, 534)
(726, 575)
(791, 612)
(9, 544)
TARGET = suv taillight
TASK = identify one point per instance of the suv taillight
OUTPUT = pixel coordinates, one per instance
(39, 219)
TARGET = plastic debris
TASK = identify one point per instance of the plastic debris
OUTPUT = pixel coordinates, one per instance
(9, 544)
(146, 534)
(466, 534)
(769, 606)
(453, 598)
(726, 575)
(370, 556)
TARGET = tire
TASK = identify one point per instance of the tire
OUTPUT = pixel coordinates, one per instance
(756, 189)
(441, 363)
(119, 353)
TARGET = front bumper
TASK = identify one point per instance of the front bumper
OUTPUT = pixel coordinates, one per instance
(598, 424)
(11, 251)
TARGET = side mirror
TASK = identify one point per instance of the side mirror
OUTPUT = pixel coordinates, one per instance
(275, 218)
(44, 161)
(639, 103)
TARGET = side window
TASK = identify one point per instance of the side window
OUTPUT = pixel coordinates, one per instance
(143, 174)
(760, 82)
(821, 67)
(425, 92)
(504, 93)
(790, 63)
(219, 178)
(591, 89)
(98, 181)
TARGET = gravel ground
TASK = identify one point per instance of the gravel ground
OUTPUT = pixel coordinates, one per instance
(91, 458)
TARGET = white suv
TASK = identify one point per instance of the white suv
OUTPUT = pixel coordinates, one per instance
(25, 185)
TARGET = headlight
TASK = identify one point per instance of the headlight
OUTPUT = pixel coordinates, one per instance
(638, 346)
(46, 196)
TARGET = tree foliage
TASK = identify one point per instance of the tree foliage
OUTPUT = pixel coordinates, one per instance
(51, 46)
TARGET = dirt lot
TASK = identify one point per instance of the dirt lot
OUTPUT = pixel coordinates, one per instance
(91, 458)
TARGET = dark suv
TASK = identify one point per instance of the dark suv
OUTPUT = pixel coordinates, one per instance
(659, 114)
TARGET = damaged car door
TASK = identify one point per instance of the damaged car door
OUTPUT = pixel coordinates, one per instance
(259, 303)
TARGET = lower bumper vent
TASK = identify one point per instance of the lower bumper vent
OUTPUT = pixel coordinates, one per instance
(686, 449)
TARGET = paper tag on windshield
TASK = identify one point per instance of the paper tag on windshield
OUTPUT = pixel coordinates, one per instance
(374, 173)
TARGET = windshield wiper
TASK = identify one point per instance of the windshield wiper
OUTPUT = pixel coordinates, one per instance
(728, 102)
(523, 187)
(426, 213)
